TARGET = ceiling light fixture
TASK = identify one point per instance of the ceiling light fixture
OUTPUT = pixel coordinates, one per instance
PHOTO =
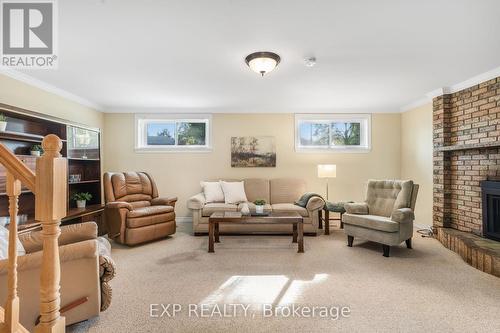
(262, 62)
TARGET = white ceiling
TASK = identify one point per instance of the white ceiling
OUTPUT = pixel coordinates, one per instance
(188, 55)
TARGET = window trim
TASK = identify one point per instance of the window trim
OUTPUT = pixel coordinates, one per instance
(140, 124)
(364, 118)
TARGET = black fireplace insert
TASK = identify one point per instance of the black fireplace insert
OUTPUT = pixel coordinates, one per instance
(491, 209)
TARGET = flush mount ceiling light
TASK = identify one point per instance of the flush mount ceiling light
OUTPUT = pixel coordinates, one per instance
(262, 62)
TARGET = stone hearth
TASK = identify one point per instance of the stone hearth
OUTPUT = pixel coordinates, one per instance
(479, 252)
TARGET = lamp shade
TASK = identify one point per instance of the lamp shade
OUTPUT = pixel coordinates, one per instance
(327, 171)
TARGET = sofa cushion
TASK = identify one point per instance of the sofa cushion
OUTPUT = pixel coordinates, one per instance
(288, 207)
(257, 188)
(251, 205)
(149, 210)
(210, 208)
(286, 190)
(212, 191)
(234, 192)
(373, 222)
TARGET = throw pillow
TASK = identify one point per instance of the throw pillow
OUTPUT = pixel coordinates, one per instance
(234, 192)
(213, 191)
(4, 244)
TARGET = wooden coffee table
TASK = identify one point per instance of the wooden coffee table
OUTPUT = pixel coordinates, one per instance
(292, 218)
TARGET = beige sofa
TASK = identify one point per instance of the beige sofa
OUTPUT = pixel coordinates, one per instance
(386, 216)
(280, 195)
(86, 269)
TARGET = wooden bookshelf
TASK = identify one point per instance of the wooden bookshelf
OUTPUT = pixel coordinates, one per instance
(81, 146)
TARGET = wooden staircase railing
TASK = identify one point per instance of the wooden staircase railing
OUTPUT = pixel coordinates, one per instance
(48, 184)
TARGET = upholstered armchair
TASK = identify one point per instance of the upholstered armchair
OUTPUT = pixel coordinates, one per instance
(134, 213)
(386, 216)
(86, 269)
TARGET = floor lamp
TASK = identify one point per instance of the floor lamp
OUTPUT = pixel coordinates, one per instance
(327, 171)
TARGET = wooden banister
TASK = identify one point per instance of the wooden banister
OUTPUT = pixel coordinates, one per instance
(50, 208)
(17, 168)
(11, 316)
(49, 186)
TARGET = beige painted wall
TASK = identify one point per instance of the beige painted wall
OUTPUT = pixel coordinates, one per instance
(25, 96)
(416, 157)
(22, 95)
(180, 173)
(403, 154)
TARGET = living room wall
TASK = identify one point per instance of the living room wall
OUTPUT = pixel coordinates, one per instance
(179, 174)
(416, 158)
(25, 96)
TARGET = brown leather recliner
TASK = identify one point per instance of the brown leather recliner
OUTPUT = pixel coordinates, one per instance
(134, 213)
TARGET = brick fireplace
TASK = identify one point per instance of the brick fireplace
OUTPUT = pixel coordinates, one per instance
(466, 127)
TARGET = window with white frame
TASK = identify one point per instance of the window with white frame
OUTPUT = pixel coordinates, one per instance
(333, 132)
(160, 132)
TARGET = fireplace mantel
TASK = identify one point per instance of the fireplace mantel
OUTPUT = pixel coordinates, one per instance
(494, 144)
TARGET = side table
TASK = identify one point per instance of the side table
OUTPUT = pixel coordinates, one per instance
(334, 207)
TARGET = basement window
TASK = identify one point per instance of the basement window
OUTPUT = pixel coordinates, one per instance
(173, 133)
(347, 133)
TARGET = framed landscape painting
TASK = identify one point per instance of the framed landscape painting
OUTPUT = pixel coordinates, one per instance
(253, 152)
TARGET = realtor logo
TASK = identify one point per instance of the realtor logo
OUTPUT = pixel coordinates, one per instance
(28, 34)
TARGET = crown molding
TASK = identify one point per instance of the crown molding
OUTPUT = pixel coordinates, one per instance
(427, 98)
(19, 76)
(438, 92)
(235, 110)
(494, 73)
(475, 80)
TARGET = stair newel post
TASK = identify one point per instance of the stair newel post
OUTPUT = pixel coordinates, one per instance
(50, 208)
(12, 303)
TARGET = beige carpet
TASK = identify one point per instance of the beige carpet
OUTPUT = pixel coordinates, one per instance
(428, 288)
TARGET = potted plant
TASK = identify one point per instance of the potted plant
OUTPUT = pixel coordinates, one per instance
(81, 199)
(3, 122)
(259, 206)
(36, 150)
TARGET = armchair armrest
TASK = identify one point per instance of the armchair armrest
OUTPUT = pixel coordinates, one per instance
(403, 215)
(74, 233)
(115, 215)
(69, 252)
(164, 201)
(107, 271)
(315, 203)
(196, 202)
(119, 204)
(358, 208)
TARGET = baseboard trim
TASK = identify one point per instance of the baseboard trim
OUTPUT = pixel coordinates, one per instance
(421, 226)
(184, 219)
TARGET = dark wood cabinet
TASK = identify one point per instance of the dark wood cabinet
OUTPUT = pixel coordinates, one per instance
(94, 213)
(81, 146)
